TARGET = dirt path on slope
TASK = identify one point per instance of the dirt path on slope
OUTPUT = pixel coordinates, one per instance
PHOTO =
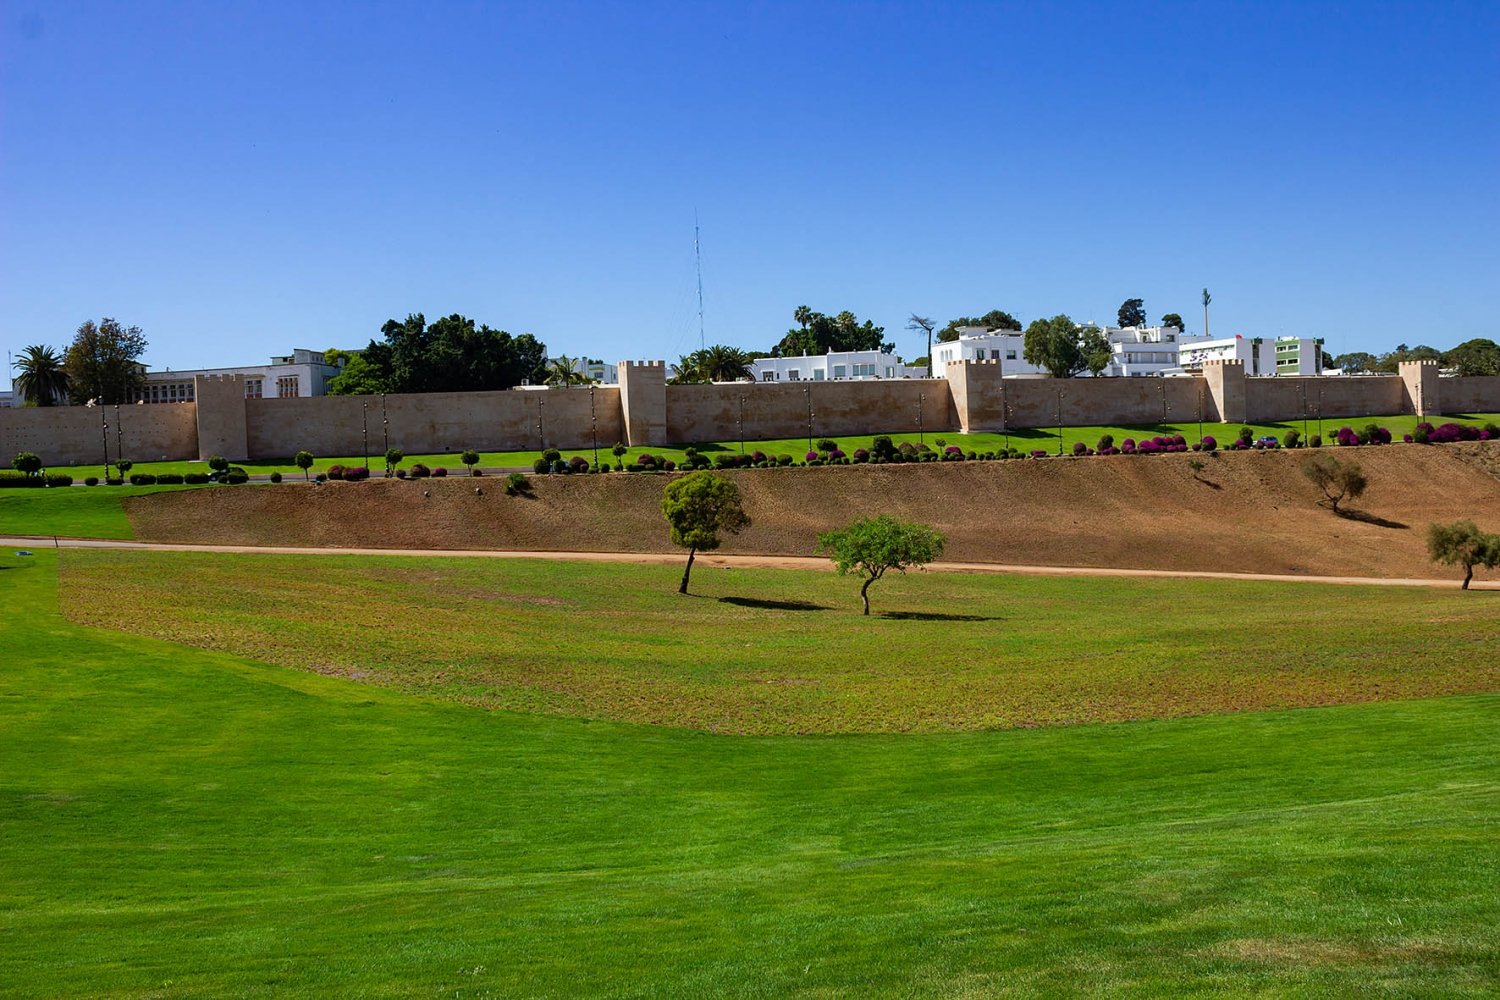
(717, 560)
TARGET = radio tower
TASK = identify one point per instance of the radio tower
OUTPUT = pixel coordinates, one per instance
(698, 257)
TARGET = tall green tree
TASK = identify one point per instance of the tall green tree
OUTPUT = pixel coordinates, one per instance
(43, 380)
(926, 325)
(1064, 348)
(1172, 319)
(1480, 356)
(103, 362)
(698, 507)
(872, 546)
(1354, 361)
(1390, 362)
(1132, 312)
(995, 319)
(357, 378)
(819, 334)
(452, 354)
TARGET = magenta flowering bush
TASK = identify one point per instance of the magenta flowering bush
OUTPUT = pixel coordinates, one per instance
(837, 453)
(861, 455)
(439, 472)
(811, 456)
(1346, 437)
(1209, 443)
(1038, 453)
(1079, 448)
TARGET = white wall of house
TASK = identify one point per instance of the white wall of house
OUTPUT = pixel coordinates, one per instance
(974, 343)
(1258, 354)
(835, 366)
(301, 373)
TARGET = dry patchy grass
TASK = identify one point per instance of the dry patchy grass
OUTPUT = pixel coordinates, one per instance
(779, 652)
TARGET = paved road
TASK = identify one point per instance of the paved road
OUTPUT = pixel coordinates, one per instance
(721, 560)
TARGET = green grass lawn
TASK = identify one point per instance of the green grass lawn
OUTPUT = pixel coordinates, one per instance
(183, 822)
(1028, 438)
(782, 652)
(76, 511)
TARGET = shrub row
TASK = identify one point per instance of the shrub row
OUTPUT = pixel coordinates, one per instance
(14, 480)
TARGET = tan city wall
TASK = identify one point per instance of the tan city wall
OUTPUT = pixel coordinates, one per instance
(71, 435)
(1343, 397)
(1470, 394)
(779, 409)
(1036, 402)
(432, 423)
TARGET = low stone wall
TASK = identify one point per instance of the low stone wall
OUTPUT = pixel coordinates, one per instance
(781, 409)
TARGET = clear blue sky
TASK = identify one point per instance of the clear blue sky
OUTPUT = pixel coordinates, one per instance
(240, 179)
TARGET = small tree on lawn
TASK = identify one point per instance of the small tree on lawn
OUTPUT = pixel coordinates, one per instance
(393, 458)
(1463, 544)
(304, 460)
(872, 545)
(470, 459)
(619, 451)
(1339, 481)
(697, 507)
(218, 463)
(124, 465)
(27, 463)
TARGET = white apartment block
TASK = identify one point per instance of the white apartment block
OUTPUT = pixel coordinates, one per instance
(1260, 355)
(975, 343)
(1147, 350)
(301, 373)
(835, 366)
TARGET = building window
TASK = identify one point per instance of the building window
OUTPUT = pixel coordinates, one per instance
(768, 376)
(839, 371)
(286, 386)
(978, 354)
(254, 388)
(793, 374)
(817, 374)
(1010, 355)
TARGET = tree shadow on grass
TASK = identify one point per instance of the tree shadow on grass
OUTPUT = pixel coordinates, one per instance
(755, 602)
(1208, 482)
(1368, 518)
(936, 616)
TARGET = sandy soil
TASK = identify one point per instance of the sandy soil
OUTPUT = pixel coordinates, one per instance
(1243, 513)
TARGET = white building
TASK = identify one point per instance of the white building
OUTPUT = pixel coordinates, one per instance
(301, 373)
(1147, 350)
(1142, 350)
(975, 343)
(1260, 355)
(835, 366)
(7, 399)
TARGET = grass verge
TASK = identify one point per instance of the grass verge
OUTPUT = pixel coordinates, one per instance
(183, 822)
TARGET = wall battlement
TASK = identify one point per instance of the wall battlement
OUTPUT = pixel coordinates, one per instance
(644, 410)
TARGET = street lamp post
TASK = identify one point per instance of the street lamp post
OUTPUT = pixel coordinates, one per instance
(541, 437)
(119, 438)
(1200, 412)
(364, 429)
(807, 397)
(1005, 415)
(1059, 422)
(104, 433)
(1320, 413)
(742, 424)
(1164, 406)
(1304, 412)
(921, 398)
(594, 426)
(385, 430)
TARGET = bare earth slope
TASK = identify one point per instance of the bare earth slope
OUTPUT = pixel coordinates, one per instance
(1244, 512)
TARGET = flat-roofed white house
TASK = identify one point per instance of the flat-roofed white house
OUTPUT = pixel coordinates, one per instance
(301, 373)
(975, 343)
(1260, 355)
(835, 366)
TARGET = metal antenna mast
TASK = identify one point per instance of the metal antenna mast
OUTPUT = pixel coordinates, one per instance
(698, 257)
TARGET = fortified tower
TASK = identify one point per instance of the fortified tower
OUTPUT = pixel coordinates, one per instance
(643, 401)
(1423, 391)
(1226, 387)
(221, 417)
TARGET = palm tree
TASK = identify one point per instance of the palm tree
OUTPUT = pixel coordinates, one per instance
(563, 370)
(923, 323)
(43, 380)
(721, 363)
(1207, 298)
(802, 315)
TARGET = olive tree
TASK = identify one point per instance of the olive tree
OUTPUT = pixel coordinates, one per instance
(697, 507)
(870, 546)
(1463, 544)
(393, 458)
(470, 459)
(304, 461)
(1339, 481)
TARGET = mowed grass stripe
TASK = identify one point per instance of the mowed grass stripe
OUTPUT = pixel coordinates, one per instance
(177, 821)
(782, 652)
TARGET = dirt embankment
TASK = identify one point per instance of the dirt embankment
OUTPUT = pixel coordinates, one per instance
(1243, 512)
